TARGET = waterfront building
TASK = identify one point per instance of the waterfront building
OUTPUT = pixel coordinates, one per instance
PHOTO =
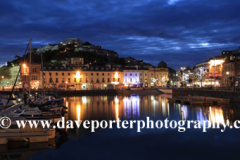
(82, 77)
(135, 76)
(158, 76)
(172, 74)
(231, 72)
(215, 71)
(146, 77)
(35, 75)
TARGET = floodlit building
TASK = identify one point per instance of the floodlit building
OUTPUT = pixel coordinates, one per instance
(35, 75)
(83, 77)
(48, 47)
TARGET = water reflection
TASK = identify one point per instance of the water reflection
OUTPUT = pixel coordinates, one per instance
(131, 107)
(136, 107)
(114, 107)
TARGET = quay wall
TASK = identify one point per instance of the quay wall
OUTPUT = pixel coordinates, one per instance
(152, 91)
(233, 96)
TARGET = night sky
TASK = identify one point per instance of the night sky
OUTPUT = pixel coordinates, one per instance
(179, 32)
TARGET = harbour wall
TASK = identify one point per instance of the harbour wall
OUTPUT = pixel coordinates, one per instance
(233, 96)
(97, 92)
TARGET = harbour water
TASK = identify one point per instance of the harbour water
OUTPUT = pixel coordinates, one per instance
(149, 143)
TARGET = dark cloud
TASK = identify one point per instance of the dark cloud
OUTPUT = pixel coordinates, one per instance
(180, 32)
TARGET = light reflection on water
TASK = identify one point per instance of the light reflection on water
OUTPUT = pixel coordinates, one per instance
(149, 144)
(135, 107)
(114, 107)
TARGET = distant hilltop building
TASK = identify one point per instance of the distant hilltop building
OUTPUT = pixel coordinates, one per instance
(48, 47)
(77, 46)
(52, 47)
(77, 42)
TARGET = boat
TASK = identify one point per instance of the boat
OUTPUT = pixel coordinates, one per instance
(3, 103)
(47, 100)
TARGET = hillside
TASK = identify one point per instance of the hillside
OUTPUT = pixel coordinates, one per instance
(91, 58)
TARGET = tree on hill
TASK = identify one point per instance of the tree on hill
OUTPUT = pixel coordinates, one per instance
(87, 43)
(4, 73)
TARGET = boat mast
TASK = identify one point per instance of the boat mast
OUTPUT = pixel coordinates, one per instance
(30, 68)
(42, 77)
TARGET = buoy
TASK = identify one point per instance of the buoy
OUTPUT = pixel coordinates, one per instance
(205, 98)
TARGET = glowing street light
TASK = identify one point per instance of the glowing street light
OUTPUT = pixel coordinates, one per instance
(116, 74)
(2, 77)
(24, 65)
(78, 74)
(227, 79)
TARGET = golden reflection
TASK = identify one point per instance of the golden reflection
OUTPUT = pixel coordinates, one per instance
(78, 113)
(67, 104)
(216, 115)
(164, 109)
(116, 108)
(84, 99)
(116, 100)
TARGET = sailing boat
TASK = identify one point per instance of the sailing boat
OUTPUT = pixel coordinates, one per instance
(45, 100)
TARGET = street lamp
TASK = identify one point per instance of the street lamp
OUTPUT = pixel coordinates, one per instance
(2, 77)
(227, 79)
